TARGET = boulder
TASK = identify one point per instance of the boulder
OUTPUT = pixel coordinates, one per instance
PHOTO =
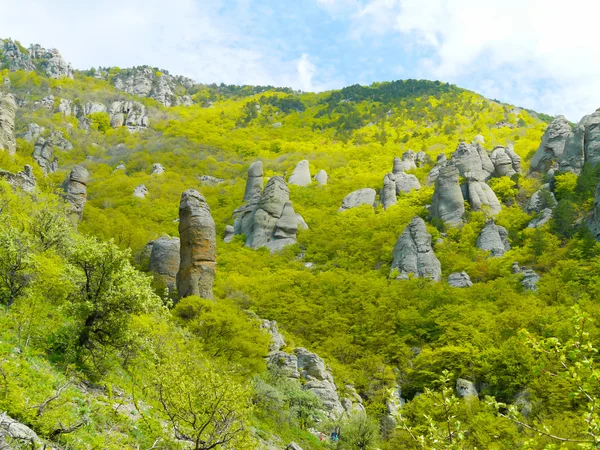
(541, 200)
(34, 131)
(164, 260)
(58, 140)
(481, 197)
(129, 114)
(269, 210)
(140, 191)
(15, 430)
(76, 191)
(364, 196)
(541, 218)
(229, 234)
(407, 163)
(421, 158)
(506, 162)
(553, 145)
(530, 279)
(352, 401)
(301, 174)
(210, 180)
(479, 139)
(459, 280)
(406, 183)
(472, 159)
(388, 192)
(198, 246)
(157, 169)
(254, 182)
(493, 238)
(284, 363)
(394, 404)
(43, 154)
(466, 389)
(321, 177)
(413, 253)
(24, 180)
(447, 203)
(442, 161)
(8, 110)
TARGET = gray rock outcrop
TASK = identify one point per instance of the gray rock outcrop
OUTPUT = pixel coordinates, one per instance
(406, 183)
(447, 203)
(210, 180)
(421, 158)
(277, 339)
(493, 238)
(321, 177)
(388, 192)
(394, 404)
(413, 253)
(43, 154)
(553, 145)
(301, 174)
(406, 163)
(582, 145)
(157, 169)
(34, 131)
(254, 182)
(229, 234)
(359, 197)
(529, 278)
(140, 191)
(8, 110)
(164, 260)
(198, 251)
(541, 200)
(49, 62)
(460, 280)
(16, 431)
(506, 162)
(523, 402)
(129, 114)
(76, 191)
(472, 159)
(441, 162)
(24, 180)
(541, 218)
(481, 197)
(465, 389)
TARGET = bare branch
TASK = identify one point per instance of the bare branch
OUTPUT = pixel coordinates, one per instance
(42, 407)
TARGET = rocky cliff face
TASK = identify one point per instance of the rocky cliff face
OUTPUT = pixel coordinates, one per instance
(24, 180)
(8, 109)
(198, 246)
(48, 62)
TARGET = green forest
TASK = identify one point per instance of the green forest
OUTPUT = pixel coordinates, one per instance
(97, 353)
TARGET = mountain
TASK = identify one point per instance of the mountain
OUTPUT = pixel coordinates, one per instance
(211, 266)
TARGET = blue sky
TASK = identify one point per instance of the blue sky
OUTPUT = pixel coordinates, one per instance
(541, 54)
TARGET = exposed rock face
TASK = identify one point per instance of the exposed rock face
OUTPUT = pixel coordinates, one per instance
(43, 153)
(459, 280)
(465, 389)
(364, 196)
(394, 403)
(552, 146)
(406, 183)
(388, 192)
(76, 191)
(421, 159)
(129, 114)
(284, 363)
(506, 162)
(413, 253)
(229, 234)
(442, 161)
(530, 277)
(493, 238)
(11, 428)
(8, 110)
(210, 180)
(301, 174)
(49, 62)
(472, 159)
(352, 403)
(254, 182)
(541, 219)
(582, 144)
(405, 164)
(198, 246)
(140, 191)
(277, 339)
(157, 169)
(33, 132)
(481, 197)
(161, 86)
(479, 139)
(24, 180)
(541, 200)
(164, 260)
(447, 203)
(321, 177)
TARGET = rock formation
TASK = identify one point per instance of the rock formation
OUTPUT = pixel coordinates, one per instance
(229, 234)
(406, 183)
(157, 169)
(210, 180)
(8, 109)
(541, 218)
(530, 277)
(128, 113)
(493, 238)
(541, 200)
(421, 159)
(442, 161)
(388, 192)
(472, 159)
(593, 221)
(465, 388)
(321, 177)
(24, 180)
(459, 280)
(407, 163)
(359, 197)
(447, 203)
(413, 253)
(49, 62)
(254, 182)
(76, 191)
(198, 246)
(164, 260)
(552, 146)
(301, 174)
(43, 153)
(506, 162)
(480, 196)
(140, 191)
(34, 131)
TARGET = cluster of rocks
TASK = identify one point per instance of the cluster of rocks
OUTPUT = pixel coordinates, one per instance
(43, 150)
(311, 369)
(8, 110)
(24, 180)
(493, 238)
(530, 277)
(76, 191)
(267, 219)
(122, 113)
(35, 58)
(398, 181)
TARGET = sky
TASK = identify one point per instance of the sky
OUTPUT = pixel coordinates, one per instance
(539, 54)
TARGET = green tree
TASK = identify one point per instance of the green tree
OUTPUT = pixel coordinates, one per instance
(359, 432)
(15, 265)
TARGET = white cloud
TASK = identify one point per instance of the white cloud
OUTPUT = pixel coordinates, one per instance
(306, 71)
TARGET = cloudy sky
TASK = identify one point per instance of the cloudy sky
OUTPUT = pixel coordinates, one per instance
(541, 54)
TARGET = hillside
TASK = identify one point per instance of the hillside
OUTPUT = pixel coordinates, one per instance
(465, 254)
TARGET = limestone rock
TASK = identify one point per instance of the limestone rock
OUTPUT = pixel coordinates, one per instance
(140, 191)
(254, 182)
(76, 191)
(421, 159)
(413, 253)
(478, 139)
(352, 402)
(459, 280)
(493, 238)
(442, 161)
(541, 199)
(210, 180)
(17, 431)
(229, 234)
(541, 218)
(406, 183)
(58, 140)
(552, 146)
(301, 174)
(321, 177)
(198, 246)
(465, 389)
(164, 260)
(284, 363)
(157, 169)
(407, 163)
(388, 192)
(506, 162)
(49, 62)
(34, 131)
(482, 197)
(24, 180)
(447, 203)
(128, 113)
(270, 209)
(121, 167)
(364, 196)
(594, 221)
(277, 340)
(530, 279)
(43, 153)
(472, 159)
(8, 110)
(582, 144)
(394, 404)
